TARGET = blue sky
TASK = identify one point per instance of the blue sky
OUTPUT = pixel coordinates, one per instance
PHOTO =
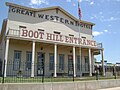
(104, 13)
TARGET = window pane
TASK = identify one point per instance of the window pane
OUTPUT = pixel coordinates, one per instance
(51, 61)
(78, 62)
(17, 59)
(61, 62)
(28, 60)
(86, 63)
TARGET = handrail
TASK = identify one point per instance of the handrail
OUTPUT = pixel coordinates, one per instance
(13, 32)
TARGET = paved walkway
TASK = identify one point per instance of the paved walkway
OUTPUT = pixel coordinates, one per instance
(116, 88)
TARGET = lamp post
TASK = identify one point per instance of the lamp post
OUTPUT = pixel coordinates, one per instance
(97, 72)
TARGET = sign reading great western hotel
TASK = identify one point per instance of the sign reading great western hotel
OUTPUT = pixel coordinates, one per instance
(56, 38)
(47, 17)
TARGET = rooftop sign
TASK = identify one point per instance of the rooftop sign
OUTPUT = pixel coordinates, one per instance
(56, 17)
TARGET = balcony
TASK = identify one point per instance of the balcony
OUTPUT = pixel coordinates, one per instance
(13, 32)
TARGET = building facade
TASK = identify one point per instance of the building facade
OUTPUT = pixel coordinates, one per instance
(48, 41)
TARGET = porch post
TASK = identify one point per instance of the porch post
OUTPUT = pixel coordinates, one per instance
(33, 58)
(103, 68)
(6, 56)
(93, 62)
(74, 61)
(90, 68)
(55, 60)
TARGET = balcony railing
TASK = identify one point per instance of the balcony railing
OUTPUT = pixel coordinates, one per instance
(13, 32)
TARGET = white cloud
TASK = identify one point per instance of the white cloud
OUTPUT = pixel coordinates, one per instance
(84, 0)
(68, 0)
(80, 0)
(118, 0)
(96, 16)
(100, 13)
(96, 33)
(74, 4)
(105, 30)
(111, 19)
(91, 3)
(101, 17)
(38, 2)
(114, 32)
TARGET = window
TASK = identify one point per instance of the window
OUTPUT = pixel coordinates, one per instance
(56, 32)
(86, 63)
(51, 61)
(17, 60)
(61, 61)
(28, 60)
(41, 30)
(22, 27)
(78, 62)
(71, 35)
(84, 37)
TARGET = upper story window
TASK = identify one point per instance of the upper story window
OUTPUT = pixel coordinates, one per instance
(55, 32)
(20, 27)
(71, 35)
(83, 37)
(41, 30)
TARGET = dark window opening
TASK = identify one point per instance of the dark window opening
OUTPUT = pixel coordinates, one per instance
(56, 32)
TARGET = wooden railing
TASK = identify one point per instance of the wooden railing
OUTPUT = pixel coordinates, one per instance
(13, 32)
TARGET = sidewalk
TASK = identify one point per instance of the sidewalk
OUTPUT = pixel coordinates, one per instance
(116, 88)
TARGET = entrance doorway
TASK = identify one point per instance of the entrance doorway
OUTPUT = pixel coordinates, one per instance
(40, 63)
(70, 65)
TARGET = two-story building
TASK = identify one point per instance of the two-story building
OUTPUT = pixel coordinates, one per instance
(47, 41)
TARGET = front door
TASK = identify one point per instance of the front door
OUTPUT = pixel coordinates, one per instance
(70, 65)
(40, 64)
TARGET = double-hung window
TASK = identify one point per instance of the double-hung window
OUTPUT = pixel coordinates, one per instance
(17, 60)
(61, 61)
(51, 61)
(28, 60)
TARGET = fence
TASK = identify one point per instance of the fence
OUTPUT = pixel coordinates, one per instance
(20, 72)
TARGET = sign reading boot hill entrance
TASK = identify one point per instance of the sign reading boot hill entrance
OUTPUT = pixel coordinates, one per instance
(56, 38)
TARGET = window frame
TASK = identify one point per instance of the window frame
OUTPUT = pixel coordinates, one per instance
(51, 62)
(28, 61)
(15, 61)
(61, 62)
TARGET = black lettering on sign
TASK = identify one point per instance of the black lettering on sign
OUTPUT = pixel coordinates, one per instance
(27, 13)
(47, 17)
(56, 18)
(41, 15)
(51, 18)
(22, 11)
(13, 10)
